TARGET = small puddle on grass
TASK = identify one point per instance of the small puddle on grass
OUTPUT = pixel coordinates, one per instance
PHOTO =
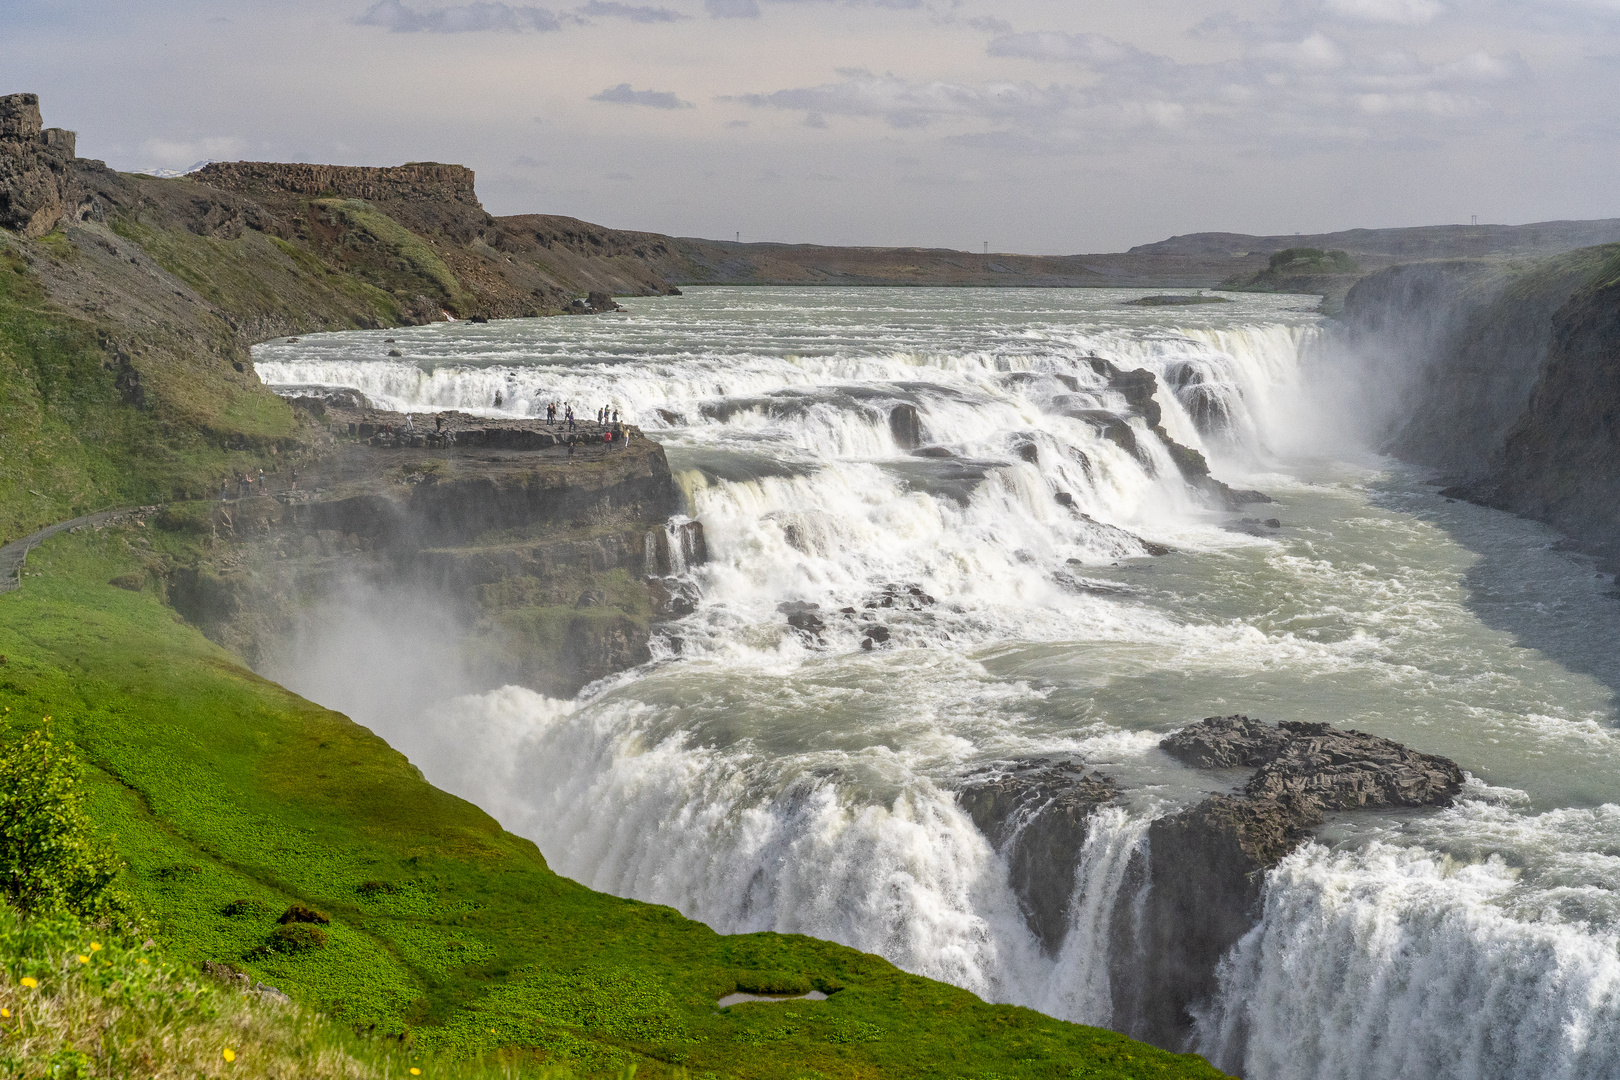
(737, 999)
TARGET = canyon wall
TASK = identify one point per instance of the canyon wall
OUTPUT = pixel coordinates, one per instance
(1504, 377)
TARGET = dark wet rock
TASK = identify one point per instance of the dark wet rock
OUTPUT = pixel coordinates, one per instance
(1063, 498)
(1175, 300)
(395, 352)
(1139, 388)
(679, 546)
(1202, 881)
(1035, 812)
(1350, 770)
(672, 598)
(1028, 451)
(807, 623)
(1113, 427)
(1202, 877)
(932, 452)
(1273, 523)
(875, 635)
(600, 302)
(906, 426)
(804, 617)
(907, 597)
(1333, 768)
(1225, 742)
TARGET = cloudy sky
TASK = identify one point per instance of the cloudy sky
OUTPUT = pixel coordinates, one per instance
(1052, 127)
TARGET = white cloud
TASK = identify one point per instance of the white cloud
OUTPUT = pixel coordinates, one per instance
(455, 20)
(1092, 50)
(611, 9)
(653, 99)
(903, 104)
(732, 9)
(1397, 12)
(1318, 52)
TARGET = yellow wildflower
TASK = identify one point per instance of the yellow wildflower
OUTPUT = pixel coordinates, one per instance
(83, 959)
(5, 1014)
(229, 1055)
(30, 982)
(95, 946)
(415, 1071)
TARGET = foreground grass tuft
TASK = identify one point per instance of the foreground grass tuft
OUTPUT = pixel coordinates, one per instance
(78, 1002)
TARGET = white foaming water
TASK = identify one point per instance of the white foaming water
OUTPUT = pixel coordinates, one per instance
(762, 779)
(1392, 961)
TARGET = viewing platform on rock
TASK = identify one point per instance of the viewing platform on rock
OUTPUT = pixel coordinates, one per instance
(454, 430)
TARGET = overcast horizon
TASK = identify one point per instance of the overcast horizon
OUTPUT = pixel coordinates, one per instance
(1034, 126)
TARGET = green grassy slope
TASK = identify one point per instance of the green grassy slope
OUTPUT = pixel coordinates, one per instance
(71, 439)
(232, 799)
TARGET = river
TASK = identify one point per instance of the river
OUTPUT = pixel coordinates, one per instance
(760, 778)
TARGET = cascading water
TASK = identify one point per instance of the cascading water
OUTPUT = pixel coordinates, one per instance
(759, 775)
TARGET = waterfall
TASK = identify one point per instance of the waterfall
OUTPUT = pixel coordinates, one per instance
(771, 777)
(1395, 962)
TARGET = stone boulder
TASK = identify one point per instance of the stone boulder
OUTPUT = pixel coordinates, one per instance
(1203, 878)
(1036, 813)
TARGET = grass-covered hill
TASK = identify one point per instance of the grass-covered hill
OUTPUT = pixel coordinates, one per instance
(259, 830)
(232, 802)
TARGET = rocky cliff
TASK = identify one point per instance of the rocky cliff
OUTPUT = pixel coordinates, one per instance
(36, 168)
(550, 556)
(1560, 462)
(1504, 377)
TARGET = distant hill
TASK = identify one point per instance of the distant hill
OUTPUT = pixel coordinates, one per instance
(1422, 242)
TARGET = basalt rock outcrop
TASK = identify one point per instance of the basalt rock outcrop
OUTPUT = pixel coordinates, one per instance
(1200, 882)
(556, 561)
(36, 168)
(906, 426)
(1036, 812)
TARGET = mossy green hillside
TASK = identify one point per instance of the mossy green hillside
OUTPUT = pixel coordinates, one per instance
(231, 800)
(71, 440)
(373, 246)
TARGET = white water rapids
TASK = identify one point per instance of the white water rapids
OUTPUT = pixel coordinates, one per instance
(757, 779)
